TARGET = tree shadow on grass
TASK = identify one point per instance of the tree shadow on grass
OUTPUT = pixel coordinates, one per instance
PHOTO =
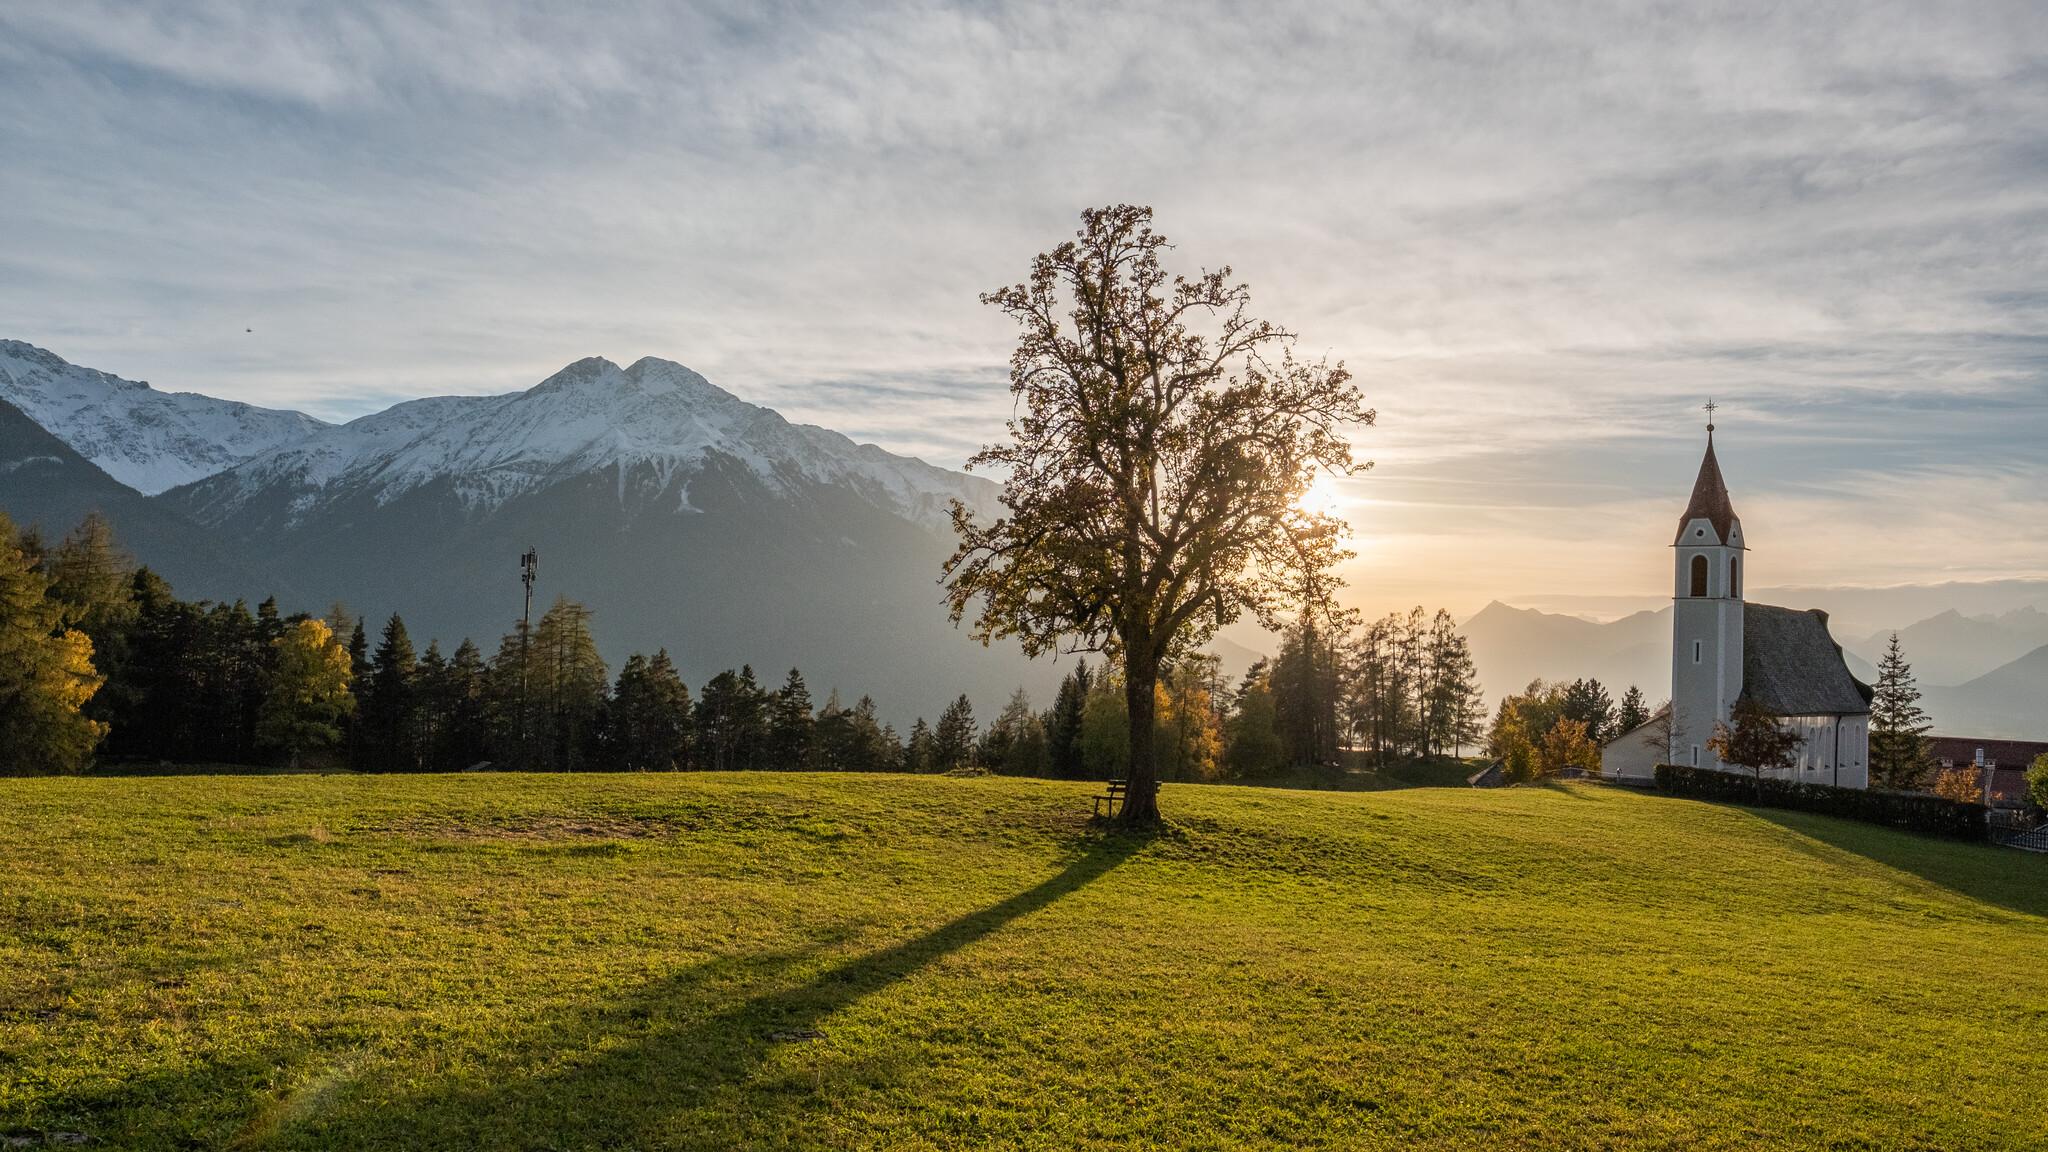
(2009, 879)
(686, 1061)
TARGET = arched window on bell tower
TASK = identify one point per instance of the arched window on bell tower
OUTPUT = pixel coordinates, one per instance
(1735, 577)
(1699, 576)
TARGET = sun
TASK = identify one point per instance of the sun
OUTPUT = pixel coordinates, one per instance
(1322, 497)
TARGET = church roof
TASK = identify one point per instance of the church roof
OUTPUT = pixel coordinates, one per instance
(1793, 667)
(1709, 498)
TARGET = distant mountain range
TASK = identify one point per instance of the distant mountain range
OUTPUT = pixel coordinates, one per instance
(688, 518)
(682, 515)
(1999, 694)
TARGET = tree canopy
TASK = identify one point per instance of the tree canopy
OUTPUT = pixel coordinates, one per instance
(1161, 446)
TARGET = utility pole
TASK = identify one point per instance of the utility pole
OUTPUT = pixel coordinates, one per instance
(528, 563)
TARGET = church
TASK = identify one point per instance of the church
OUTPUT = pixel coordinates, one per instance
(1725, 649)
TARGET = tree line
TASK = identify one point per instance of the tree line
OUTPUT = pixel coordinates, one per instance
(99, 658)
(104, 660)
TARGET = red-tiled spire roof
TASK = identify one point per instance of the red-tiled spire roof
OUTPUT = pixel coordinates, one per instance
(1709, 499)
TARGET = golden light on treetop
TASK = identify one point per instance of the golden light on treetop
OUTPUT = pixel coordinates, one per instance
(1160, 455)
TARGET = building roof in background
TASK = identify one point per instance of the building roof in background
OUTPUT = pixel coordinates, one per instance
(1793, 667)
(1709, 499)
(2003, 753)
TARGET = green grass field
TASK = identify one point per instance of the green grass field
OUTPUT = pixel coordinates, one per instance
(627, 962)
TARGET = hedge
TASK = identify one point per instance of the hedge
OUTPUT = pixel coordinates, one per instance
(1930, 815)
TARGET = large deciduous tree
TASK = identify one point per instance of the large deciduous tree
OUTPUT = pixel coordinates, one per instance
(1161, 446)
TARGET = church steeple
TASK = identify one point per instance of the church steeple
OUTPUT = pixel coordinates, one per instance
(1707, 614)
(1710, 502)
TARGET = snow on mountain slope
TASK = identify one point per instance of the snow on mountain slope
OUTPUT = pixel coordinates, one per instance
(589, 417)
(146, 439)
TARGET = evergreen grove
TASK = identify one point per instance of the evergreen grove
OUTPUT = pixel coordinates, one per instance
(103, 661)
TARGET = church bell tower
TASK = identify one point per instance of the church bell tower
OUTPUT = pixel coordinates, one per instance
(1706, 618)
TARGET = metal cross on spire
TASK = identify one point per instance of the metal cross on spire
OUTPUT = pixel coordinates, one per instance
(1710, 407)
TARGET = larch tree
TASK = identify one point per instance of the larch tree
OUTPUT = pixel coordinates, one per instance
(1162, 444)
(1898, 728)
(46, 673)
(309, 691)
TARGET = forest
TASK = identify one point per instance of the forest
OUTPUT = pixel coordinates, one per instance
(104, 665)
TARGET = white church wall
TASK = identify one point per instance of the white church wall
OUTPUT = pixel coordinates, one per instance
(1634, 755)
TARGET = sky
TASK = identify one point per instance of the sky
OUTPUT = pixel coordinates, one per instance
(1540, 235)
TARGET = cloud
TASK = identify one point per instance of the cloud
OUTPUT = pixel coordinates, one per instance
(1540, 237)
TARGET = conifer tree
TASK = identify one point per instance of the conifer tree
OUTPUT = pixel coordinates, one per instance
(918, 753)
(390, 709)
(1587, 702)
(789, 724)
(465, 721)
(569, 685)
(309, 691)
(954, 739)
(1063, 724)
(1632, 713)
(731, 721)
(650, 716)
(1899, 758)
(1253, 746)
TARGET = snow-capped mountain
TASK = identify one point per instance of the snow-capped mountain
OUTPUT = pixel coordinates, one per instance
(146, 439)
(655, 423)
(681, 515)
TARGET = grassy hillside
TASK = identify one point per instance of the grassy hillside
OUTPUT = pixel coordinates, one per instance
(624, 962)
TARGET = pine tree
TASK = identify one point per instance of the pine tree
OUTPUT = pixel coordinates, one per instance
(789, 724)
(650, 716)
(390, 709)
(1063, 725)
(954, 739)
(1015, 742)
(732, 722)
(1898, 728)
(1253, 747)
(1633, 713)
(46, 674)
(465, 726)
(1587, 702)
(918, 753)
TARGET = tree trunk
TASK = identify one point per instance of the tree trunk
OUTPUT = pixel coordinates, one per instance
(1141, 682)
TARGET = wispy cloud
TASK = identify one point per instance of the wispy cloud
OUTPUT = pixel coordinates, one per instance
(1541, 236)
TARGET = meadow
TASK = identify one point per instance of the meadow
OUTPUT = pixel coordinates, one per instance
(831, 961)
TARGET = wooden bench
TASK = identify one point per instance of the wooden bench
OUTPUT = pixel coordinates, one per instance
(1117, 791)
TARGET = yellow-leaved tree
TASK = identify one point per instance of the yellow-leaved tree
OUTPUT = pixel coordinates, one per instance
(46, 674)
(309, 693)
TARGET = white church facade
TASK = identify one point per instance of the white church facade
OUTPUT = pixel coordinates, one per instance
(1725, 649)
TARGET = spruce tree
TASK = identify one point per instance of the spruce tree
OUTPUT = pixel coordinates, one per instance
(918, 754)
(1063, 725)
(1587, 702)
(1898, 728)
(954, 739)
(465, 729)
(1633, 713)
(390, 709)
(789, 724)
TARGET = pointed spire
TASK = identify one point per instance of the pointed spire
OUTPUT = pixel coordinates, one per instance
(1709, 497)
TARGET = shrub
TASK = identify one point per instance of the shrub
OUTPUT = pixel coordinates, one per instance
(1930, 815)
